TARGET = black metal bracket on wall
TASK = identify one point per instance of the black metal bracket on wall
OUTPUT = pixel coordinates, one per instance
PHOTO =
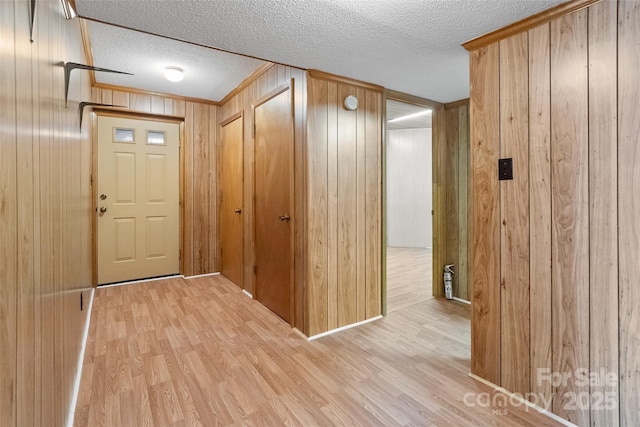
(93, 104)
(70, 66)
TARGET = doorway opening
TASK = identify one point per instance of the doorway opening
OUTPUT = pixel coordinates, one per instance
(409, 204)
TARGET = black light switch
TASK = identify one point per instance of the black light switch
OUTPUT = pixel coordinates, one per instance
(505, 169)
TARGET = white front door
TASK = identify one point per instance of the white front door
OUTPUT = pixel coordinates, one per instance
(138, 199)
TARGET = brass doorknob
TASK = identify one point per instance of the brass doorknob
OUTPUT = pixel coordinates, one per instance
(284, 218)
(237, 210)
(103, 209)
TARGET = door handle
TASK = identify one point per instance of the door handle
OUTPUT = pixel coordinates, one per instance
(237, 210)
(284, 218)
(103, 209)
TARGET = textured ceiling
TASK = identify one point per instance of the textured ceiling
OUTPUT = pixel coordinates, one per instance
(208, 73)
(412, 46)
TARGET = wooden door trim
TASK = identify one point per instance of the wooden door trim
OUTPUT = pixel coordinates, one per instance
(230, 119)
(257, 103)
(94, 179)
(272, 94)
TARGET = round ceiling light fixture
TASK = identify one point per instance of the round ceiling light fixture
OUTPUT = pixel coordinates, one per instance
(174, 74)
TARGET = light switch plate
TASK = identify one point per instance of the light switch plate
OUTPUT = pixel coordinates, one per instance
(505, 169)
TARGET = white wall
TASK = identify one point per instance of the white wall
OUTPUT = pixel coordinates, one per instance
(409, 194)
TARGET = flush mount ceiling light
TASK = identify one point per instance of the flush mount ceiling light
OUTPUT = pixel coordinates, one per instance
(174, 74)
(410, 116)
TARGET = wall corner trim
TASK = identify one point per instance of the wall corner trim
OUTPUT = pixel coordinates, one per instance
(527, 23)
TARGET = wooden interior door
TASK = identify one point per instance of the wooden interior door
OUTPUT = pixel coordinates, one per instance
(274, 203)
(231, 197)
(138, 222)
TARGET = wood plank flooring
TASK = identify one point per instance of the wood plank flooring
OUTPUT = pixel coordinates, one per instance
(200, 352)
(409, 277)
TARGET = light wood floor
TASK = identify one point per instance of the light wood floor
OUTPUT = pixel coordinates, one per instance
(200, 352)
(409, 277)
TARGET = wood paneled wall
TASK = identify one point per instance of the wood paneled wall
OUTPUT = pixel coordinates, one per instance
(450, 196)
(555, 251)
(243, 102)
(45, 215)
(199, 195)
(344, 205)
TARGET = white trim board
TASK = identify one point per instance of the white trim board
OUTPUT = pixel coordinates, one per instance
(343, 328)
(202, 275)
(520, 399)
(80, 364)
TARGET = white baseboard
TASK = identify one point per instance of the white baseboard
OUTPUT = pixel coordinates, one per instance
(520, 399)
(76, 382)
(464, 301)
(202, 275)
(244, 291)
(333, 331)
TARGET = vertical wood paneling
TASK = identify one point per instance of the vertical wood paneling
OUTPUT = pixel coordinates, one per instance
(200, 196)
(514, 216)
(462, 170)
(106, 96)
(451, 197)
(540, 209)
(120, 98)
(344, 201)
(603, 207)
(49, 255)
(583, 195)
(44, 215)
(629, 206)
(8, 220)
(300, 188)
(360, 200)
(168, 106)
(347, 214)
(214, 203)
(332, 205)
(439, 142)
(485, 229)
(187, 193)
(243, 102)
(570, 208)
(157, 104)
(26, 297)
(373, 203)
(317, 277)
(140, 102)
(450, 237)
(42, 265)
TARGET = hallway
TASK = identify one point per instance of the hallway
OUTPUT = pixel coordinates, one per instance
(199, 352)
